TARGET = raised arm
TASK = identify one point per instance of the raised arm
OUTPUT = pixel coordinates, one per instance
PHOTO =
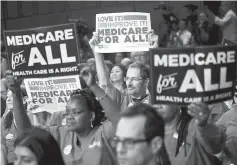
(100, 63)
(103, 76)
(21, 117)
(209, 135)
(223, 21)
(111, 109)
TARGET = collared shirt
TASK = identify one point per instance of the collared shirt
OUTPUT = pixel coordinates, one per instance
(96, 150)
(124, 99)
(229, 25)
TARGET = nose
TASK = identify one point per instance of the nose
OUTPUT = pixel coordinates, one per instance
(120, 148)
(17, 162)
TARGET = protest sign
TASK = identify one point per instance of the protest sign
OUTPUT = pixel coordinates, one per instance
(185, 75)
(51, 94)
(122, 32)
(226, 42)
(43, 52)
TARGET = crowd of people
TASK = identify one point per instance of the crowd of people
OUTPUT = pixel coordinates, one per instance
(111, 120)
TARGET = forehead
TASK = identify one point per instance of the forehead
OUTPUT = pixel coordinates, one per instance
(133, 72)
(77, 102)
(131, 127)
(24, 151)
(9, 93)
(116, 68)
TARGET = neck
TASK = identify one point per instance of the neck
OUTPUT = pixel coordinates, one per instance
(139, 96)
(171, 125)
(83, 135)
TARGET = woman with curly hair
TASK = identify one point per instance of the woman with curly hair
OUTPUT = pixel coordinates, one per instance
(85, 138)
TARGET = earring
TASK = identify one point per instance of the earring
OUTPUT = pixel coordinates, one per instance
(91, 124)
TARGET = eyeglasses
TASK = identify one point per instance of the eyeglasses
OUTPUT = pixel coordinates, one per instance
(132, 79)
(73, 113)
(127, 143)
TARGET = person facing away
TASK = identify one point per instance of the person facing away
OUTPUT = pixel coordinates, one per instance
(139, 137)
(228, 22)
(206, 33)
(136, 79)
(189, 138)
(85, 139)
(37, 147)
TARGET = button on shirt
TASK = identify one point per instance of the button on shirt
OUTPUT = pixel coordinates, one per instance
(95, 151)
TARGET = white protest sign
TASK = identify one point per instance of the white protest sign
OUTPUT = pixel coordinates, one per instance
(51, 94)
(123, 32)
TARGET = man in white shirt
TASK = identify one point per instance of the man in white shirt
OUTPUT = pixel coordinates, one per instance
(183, 38)
(228, 22)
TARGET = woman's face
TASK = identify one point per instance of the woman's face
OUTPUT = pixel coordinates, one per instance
(78, 115)
(116, 74)
(24, 156)
(9, 100)
(167, 112)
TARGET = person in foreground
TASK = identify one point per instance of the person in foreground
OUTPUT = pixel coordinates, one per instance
(84, 140)
(189, 138)
(139, 137)
(37, 147)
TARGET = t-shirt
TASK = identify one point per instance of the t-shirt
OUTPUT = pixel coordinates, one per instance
(95, 151)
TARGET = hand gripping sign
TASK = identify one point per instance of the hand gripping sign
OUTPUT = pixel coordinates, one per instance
(43, 52)
(185, 75)
(123, 32)
(51, 94)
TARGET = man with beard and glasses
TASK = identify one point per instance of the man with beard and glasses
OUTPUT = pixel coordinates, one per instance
(136, 79)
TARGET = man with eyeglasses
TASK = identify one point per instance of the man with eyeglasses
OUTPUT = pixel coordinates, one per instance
(139, 136)
(136, 80)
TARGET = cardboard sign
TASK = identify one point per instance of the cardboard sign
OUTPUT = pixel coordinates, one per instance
(226, 42)
(123, 32)
(51, 94)
(43, 52)
(182, 76)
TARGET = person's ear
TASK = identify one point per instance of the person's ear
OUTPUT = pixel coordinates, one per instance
(146, 82)
(156, 144)
(25, 98)
(92, 116)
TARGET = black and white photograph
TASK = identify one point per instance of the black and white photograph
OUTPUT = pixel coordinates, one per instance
(118, 82)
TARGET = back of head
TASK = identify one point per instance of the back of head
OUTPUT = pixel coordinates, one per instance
(154, 125)
(143, 69)
(126, 62)
(42, 144)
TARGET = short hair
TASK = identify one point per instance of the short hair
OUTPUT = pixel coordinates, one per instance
(126, 62)
(42, 144)
(143, 69)
(154, 125)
